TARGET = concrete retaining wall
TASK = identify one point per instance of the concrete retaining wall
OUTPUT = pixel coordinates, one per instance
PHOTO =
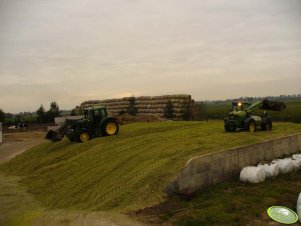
(211, 169)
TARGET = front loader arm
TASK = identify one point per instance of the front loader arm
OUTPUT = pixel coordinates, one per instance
(57, 135)
(253, 107)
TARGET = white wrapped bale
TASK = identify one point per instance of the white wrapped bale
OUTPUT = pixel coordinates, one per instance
(296, 156)
(296, 164)
(299, 207)
(252, 174)
(285, 165)
(271, 170)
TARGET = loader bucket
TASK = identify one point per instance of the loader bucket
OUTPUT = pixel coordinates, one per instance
(273, 105)
(53, 136)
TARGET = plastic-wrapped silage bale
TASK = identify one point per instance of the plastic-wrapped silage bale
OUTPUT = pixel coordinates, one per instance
(285, 165)
(296, 156)
(252, 174)
(271, 170)
(299, 207)
(296, 163)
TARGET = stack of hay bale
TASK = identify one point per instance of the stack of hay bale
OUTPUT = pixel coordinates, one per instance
(183, 106)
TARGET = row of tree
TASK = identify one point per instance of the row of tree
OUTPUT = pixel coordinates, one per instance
(40, 116)
(2, 115)
(296, 97)
(44, 116)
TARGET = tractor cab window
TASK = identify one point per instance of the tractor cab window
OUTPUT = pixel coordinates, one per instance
(97, 117)
(100, 113)
(103, 112)
(90, 115)
(97, 113)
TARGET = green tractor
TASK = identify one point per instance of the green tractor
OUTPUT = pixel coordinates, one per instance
(241, 116)
(95, 123)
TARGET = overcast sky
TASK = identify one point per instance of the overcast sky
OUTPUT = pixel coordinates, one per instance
(70, 51)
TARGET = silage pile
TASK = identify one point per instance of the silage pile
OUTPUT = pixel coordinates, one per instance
(257, 174)
(149, 105)
(127, 118)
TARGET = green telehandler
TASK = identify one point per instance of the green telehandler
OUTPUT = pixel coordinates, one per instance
(95, 123)
(241, 116)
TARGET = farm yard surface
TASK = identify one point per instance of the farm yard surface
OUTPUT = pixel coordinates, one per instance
(122, 173)
(18, 142)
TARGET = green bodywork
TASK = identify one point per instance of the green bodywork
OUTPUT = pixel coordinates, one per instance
(241, 116)
(93, 123)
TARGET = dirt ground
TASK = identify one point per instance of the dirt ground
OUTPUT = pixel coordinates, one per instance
(16, 143)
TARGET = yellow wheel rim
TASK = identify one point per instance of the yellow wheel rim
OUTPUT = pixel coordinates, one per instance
(252, 127)
(84, 136)
(111, 128)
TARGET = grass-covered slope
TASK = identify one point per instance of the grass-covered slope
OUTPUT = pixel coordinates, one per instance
(127, 171)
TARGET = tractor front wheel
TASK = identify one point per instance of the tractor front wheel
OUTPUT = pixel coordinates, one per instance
(230, 127)
(110, 127)
(84, 136)
(251, 126)
(267, 125)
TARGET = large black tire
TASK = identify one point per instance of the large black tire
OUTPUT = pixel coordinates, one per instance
(267, 125)
(110, 127)
(84, 136)
(71, 139)
(230, 127)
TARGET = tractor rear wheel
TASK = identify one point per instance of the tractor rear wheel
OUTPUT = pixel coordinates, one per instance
(84, 136)
(251, 126)
(267, 125)
(110, 127)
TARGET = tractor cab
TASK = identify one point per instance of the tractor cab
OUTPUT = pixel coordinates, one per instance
(95, 114)
(100, 123)
(239, 106)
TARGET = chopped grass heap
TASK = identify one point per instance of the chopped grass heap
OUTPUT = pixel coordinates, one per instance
(124, 172)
